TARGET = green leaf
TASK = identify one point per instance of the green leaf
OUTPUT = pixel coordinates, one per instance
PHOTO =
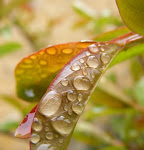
(9, 126)
(132, 13)
(128, 53)
(9, 47)
(139, 91)
(107, 36)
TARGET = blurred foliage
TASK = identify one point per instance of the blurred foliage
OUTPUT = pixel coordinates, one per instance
(109, 122)
(132, 13)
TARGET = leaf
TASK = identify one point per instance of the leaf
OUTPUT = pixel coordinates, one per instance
(132, 13)
(35, 73)
(73, 82)
(128, 53)
(83, 10)
(107, 36)
(9, 47)
(139, 91)
(8, 126)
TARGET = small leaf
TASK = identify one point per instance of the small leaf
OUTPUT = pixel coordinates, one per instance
(132, 12)
(9, 47)
(139, 91)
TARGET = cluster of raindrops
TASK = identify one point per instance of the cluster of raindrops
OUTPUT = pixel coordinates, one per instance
(60, 108)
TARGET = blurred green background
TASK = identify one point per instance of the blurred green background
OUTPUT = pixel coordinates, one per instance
(114, 120)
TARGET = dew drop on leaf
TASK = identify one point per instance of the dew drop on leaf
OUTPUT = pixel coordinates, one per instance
(78, 108)
(92, 62)
(62, 125)
(35, 138)
(71, 96)
(50, 104)
(81, 83)
(105, 58)
(37, 126)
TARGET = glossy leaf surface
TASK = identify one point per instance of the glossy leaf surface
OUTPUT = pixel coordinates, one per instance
(77, 64)
(64, 101)
(35, 73)
(132, 13)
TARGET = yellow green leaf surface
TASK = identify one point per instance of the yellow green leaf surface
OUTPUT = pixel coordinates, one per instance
(132, 13)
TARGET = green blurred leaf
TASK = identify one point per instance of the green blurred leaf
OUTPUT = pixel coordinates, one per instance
(132, 12)
(139, 91)
(128, 53)
(83, 10)
(9, 126)
(107, 36)
(9, 47)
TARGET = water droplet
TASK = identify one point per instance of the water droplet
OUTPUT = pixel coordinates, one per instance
(78, 108)
(81, 61)
(33, 57)
(84, 71)
(43, 62)
(92, 62)
(35, 138)
(87, 54)
(67, 51)
(51, 51)
(93, 75)
(44, 147)
(105, 58)
(75, 67)
(93, 48)
(46, 129)
(81, 83)
(64, 82)
(71, 95)
(37, 126)
(61, 141)
(50, 104)
(49, 136)
(80, 97)
(62, 125)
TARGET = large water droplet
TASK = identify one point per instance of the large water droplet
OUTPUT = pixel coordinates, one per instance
(81, 83)
(64, 82)
(71, 95)
(35, 138)
(105, 58)
(50, 104)
(49, 136)
(93, 48)
(75, 67)
(78, 108)
(62, 125)
(37, 126)
(92, 62)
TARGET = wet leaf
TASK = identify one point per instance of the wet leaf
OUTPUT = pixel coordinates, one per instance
(9, 47)
(132, 12)
(35, 73)
(54, 118)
